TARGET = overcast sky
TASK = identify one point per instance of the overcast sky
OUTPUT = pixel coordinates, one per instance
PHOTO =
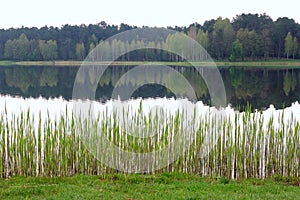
(160, 13)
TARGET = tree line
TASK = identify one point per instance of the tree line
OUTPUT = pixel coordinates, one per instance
(246, 37)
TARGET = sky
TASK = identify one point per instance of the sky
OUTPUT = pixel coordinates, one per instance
(159, 13)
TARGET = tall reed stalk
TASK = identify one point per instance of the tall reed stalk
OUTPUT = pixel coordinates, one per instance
(243, 145)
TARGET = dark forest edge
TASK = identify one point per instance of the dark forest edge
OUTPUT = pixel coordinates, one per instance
(247, 37)
(268, 63)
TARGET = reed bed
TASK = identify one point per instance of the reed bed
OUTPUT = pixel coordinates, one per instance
(235, 145)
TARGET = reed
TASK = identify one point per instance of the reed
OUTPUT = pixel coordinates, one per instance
(243, 145)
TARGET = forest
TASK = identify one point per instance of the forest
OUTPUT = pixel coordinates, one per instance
(245, 37)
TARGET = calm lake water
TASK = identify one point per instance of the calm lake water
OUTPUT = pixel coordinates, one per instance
(40, 100)
(258, 86)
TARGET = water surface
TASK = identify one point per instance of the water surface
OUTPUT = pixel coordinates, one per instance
(259, 87)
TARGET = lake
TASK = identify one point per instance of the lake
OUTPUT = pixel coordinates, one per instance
(44, 131)
(259, 87)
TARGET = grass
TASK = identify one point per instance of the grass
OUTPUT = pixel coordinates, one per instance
(7, 63)
(267, 63)
(240, 146)
(282, 63)
(163, 186)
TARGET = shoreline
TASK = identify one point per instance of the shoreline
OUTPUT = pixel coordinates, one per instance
(268, 63)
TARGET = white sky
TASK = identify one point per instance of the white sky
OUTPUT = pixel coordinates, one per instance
(160, 13)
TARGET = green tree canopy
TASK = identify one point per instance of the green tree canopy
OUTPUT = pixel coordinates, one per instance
(295, 47)
(203, 39)
(17, 49)
(288, 45)
(223, 36)
(80, 51)
(237, 50)
(48, 49)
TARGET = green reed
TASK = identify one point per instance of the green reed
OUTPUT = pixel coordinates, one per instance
(238, 146)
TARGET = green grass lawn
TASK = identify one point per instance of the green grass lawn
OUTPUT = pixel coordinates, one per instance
(165, 186)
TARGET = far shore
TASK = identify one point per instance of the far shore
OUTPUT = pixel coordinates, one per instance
(268, 63)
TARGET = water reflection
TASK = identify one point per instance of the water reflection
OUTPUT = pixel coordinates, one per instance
(258, 86)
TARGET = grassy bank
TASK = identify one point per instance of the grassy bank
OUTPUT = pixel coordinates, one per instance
(269, 63)
(164, 186)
